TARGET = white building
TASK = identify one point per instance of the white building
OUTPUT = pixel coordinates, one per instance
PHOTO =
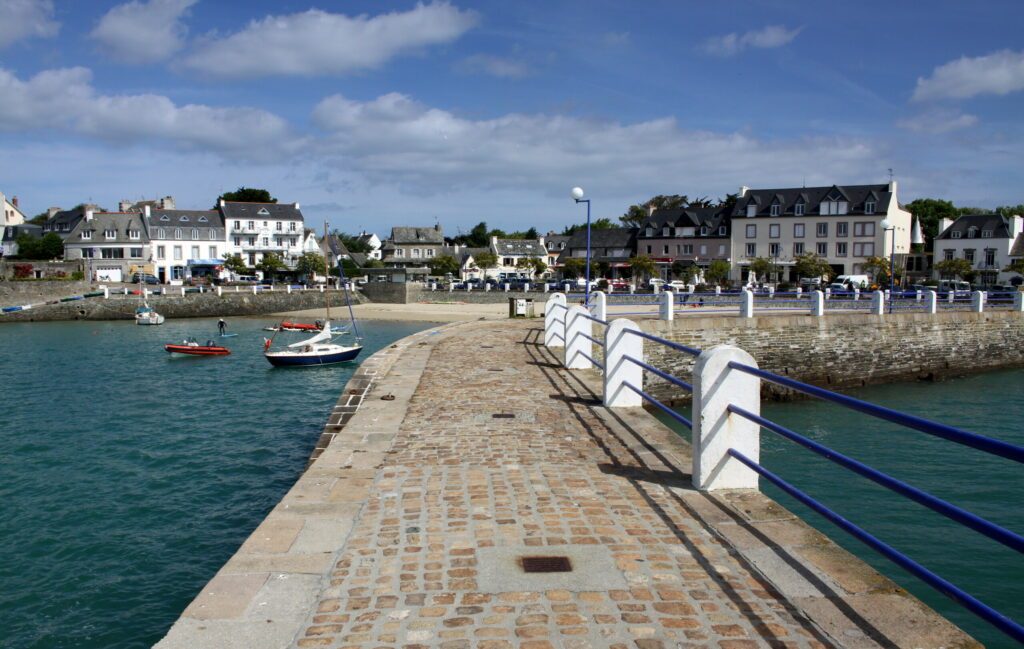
(258, 229)
(186, 243)
(373, 241)
(985, 240)
(511, 252)
(10, 213)
(114, 245)
(840, 223)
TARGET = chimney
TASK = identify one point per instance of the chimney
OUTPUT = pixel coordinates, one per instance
(88, 215)
(51, 211)
(145, 210)
(494, 242)
(124, 205)
(437, 227)
(221, 203)
(892, 189)
(296, 205)
(167, 202)
(743, 191)
(944, 224)
(650, 209)
(14, 201)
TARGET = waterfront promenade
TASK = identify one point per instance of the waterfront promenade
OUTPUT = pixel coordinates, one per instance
(473, 452)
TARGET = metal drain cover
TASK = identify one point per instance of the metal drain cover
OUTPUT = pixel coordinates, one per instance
(503, 415)
(546, 564)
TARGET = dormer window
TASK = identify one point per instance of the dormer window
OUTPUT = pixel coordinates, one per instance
(165, 218)
(86, 235)
(263, 212)
(721, 231)
(177, 233)
(954, 235)
(869, 207)
(184, 219)
(972, 232)
(195, 233)
(161, 233)
(798, 209)
(203, 219)
(776, 209)
(213, 234)
(703, 230)
(649, 232)
(986, 234)
(665, 231)
(751, 209)
(110, 234)
(134, 235)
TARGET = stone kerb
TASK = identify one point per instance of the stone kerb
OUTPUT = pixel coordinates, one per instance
(554, 321)
(715, 429)
(618, 344)
(577, 346)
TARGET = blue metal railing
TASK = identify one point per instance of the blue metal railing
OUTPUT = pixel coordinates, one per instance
(653, 370)
(692, 351)
(668, 411)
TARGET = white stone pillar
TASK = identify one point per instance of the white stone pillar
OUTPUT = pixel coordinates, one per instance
(817, 303)
(575, 344)
(618, 343)
(856, 294)
(771, 292)
(183, 290)
(877, 303)
(632, 288)
(599, 305)
(220, 291)
(487, 287)
(1018, 301)
(799, 292)
(321, 288)
(106, 293)
(289, 289)
(951, 296)
(554, 321)
(566, 287)
(526, 287)
(238, 289)
(506, 287)
(547, 287)
(451, 287)
(718, 290)
(828, 293)
(746, 304)
(254, 289)
(715, 429)
(668, 305)
(977, 302)
(888, 296)
(931, 301)
(919, 295)
(469, 287)
(125, 289)
(201, 289)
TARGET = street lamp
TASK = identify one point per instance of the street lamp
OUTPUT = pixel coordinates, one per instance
(577, 195)
(887, 226)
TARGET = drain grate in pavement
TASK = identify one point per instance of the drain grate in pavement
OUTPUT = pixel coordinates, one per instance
(495, 369)
(503, 415)
(546, 564)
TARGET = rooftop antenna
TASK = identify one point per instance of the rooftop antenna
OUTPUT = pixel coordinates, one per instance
(890, 174)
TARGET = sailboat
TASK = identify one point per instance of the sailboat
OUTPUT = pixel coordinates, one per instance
(318, 350)
(145, 314)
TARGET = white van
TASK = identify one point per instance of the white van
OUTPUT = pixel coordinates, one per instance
(858, 281)
(957, 286)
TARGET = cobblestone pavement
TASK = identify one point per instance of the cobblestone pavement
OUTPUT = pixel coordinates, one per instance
(502, 456)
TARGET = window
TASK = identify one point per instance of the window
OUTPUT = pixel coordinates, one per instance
(833, 207)
(430, 252)
(986, 234)
(183, 219)
(703, 249)
(213, 252)
(776, 209)
(864, 229)
(649, 249)
(751, 231)
(177, 233)
(195, 252)
(774, 231)
(822, 229)
(238, 241)
(252, 258)
(869, 207)
(954, 235)
(665, 232)
(798, 230)
(798, 209)
(665, 251)
(843, 229)
(798, 248)
(415, 252)
(86, 235)
(112, 253)
(89, 252)
(136, 253)
(238, 225)
(972, 232)
(947, 254)
(990, 257)
(751, 250)
(213, 234)
(969, 254)
(161, 252)
(774, 249)
(399, 252)
(263, 212)
(864, 250)
(821, 249)
(721, 249)
(687, 248)
(291, 226)
(266, 241)
(703, 230)
(203, 219)
(161, 233)
(721, 231)
(751, 210)
(195, 233)
(110, 234)
(165, 218)
(252, 241)
(134, 235)
(649, 232)
(252, 225)
(841, 249)
(280, 226)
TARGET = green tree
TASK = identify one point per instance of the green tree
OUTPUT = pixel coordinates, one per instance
(929, 211)
(684, 271)
(39, 219)
(643, 267)
(246, 195)
(539, 266)
(728, 202)
(878, 267)
(1015, 266)
(811, 265)
(576, 267)
(1011, 210)
(717, 272)
(484, 261)
(270, 264)
(235, 264)
(599, 224)
(761, 266)
(956, 267)
(374, 263)
(311, 263)
(444, 265)
(50, 246)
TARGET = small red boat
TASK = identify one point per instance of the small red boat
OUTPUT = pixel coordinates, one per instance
(299, 326)
(192, 348)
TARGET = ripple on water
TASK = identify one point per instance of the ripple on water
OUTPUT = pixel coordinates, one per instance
(130, 477)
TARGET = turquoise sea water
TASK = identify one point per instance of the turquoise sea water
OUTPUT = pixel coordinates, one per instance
(991, 404)
(127, 478)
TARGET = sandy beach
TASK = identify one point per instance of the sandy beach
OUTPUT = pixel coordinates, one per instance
(409, 312)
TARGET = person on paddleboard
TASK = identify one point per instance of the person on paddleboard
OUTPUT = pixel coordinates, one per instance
(222, 326)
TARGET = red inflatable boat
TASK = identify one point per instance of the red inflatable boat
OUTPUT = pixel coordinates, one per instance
(192, 348)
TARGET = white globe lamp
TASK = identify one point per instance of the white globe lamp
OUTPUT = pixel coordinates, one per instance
(577, 193)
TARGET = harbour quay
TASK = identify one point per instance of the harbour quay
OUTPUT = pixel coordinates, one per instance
(477, 487)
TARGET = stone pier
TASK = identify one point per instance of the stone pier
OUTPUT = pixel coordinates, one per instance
(472, 459)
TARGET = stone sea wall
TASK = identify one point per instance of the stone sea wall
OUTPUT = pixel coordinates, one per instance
(192, 305)
(845, 350)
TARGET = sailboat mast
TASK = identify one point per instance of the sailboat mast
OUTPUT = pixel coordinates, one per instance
(348, 300)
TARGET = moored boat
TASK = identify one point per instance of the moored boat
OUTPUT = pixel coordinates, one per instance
(146, 315)
(192, 348)
(318, 350)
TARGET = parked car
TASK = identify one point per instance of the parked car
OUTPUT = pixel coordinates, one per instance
(619, 284)
(676, 286)
(144, 277)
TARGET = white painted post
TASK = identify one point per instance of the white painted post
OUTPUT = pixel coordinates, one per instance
(668, 306)
(506, 287)
(575, 344)
(746, 304)
(554, 321)
(220, 291)
(238, 289)
(951, 296)
(526, 287)
(877, 303)
(566, 286)
(887, 295)
(487, 287)
(200, 289)
(610, 289)
(817, 303)
(977, 302)
(799, 292)
(254, 289)
(771, 292)
(321, 288)
(718, 290)
(469, 287)
(931, 301)
(828, 293)
(289, 289)
(183, 291)
(632, 288)
(919, 295)
(125, 289)
(618, 343)
(106, 293)
(547, 287)
(715, 429)
(599, 305)
(1018, 301)
(451, 287)
(856, 294)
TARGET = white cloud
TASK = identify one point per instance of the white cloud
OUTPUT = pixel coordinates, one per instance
(143, 32)
(21, 19)
(394, 139)
(999, 73)
(316, 42)
(65, 99)
(765, 38)
(938, 121)
(494, 66)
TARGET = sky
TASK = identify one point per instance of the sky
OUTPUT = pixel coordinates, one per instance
(375, 114)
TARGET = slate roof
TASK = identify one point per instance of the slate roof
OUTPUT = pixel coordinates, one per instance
(335, 246)
(119, 222)
(1018, 246)
(201, 219)
(855, 196)
(366, 237)
(712, 217)
(64, 221)
(599, 240)
(552, 241)
(12, 232)
(999, 226)
(251, 211)
(358, 258)
(520, 247)
(401, 235)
